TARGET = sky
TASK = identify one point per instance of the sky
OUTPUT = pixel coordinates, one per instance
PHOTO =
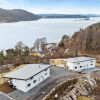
(54, 6)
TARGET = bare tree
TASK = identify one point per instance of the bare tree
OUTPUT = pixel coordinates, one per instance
(20, 48)
(40, 44)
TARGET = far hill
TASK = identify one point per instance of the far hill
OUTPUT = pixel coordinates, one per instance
(16, 15)
(62, 16)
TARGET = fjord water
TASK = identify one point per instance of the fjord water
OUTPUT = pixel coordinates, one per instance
(28, 32)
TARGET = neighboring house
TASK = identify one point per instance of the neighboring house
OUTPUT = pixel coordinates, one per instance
(28, 76)
(80, 63)
(4, 96)
(50, 46)
(47, 49)
(76, 64)
(35, 52)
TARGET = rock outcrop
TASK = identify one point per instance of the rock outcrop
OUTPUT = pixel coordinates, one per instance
(83, 87)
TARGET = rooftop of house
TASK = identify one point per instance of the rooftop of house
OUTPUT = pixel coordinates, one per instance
(76, 59)
(79, 59)
(26, 71)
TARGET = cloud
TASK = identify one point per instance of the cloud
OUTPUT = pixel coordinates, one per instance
(68, 10)
(3, 1)
(12, 4)
(5, 4)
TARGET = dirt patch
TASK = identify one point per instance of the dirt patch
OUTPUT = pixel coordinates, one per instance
(6, 88)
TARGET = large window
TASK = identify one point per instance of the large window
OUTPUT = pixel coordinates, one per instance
(75, 67)
(45, 74)
(29, 85)
(34, 81)
(80, 66)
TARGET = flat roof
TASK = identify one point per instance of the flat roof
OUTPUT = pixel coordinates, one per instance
(26, 71)
(79, 59)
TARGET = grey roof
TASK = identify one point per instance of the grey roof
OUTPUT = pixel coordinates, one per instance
(5, 97)
(27, 71)
(79, 59)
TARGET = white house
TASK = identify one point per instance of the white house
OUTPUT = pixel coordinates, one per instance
(76, 64)
(28, 76)
(80, 63)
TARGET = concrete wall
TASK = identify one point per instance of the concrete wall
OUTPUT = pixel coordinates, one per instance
(26, 85)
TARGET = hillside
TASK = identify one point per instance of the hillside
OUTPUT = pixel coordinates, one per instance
(88, 39)
(84, 42)
(16, 15)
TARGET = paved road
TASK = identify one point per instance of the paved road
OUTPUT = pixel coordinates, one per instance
(58, 75)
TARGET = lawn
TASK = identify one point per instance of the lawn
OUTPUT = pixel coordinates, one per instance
(98, 64)
(84, 98)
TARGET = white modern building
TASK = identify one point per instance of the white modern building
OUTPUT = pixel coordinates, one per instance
(80, 63)
(28, 76)
(76, 64)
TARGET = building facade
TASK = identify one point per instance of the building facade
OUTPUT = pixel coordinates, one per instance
(29, 76)
(80, 63)
(76, 64)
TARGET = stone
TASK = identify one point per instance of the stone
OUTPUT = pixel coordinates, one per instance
(84, 86)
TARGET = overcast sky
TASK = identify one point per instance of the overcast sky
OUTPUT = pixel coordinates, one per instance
(54, 6)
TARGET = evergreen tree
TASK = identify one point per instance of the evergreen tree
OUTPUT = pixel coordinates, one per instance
(1, 57)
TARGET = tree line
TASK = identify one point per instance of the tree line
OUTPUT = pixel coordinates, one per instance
(20, 54)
